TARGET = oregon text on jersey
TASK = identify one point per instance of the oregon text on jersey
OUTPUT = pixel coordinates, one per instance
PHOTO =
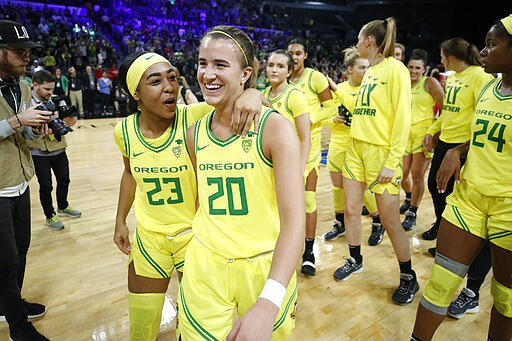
(226, 166)
(164, 169)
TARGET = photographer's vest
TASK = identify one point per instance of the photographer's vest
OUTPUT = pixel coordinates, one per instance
(47, 143)
(16, 163)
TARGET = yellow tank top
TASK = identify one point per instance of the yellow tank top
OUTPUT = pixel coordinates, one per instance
(422, 103)
(311, 83)
(166, 187)
(291, 103)
(489, 162)
(238, 215)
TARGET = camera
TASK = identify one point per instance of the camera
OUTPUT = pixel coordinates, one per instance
(57, 125)
(345, 115)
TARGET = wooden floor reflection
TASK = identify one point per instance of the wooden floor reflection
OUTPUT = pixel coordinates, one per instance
(81, 276)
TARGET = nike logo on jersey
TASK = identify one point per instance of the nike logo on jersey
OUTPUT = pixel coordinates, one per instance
(484, 99)
(149, 57)
(137, 154)
(201, 148)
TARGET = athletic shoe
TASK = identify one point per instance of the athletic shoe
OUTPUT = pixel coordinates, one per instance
(337, 230)
(54, 223)
(377, 234)
(467, 302)
(432, 251)
(308, 264)
(431, 234)
(405, 292)
(69, 212)
(365, 211)
(349, 268)
(409, 221)
(29, 333)
(34, 311)
(405, 206)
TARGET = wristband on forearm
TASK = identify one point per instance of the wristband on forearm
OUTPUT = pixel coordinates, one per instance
(274, 292)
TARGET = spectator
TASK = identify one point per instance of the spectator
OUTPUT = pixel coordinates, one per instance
(49, 153)
(90, 91)
(16, 170)
(76, 85)
(104, 88)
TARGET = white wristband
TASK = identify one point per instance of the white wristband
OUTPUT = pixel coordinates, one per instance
(274, 292)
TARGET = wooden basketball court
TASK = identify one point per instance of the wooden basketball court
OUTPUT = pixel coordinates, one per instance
(81, 275)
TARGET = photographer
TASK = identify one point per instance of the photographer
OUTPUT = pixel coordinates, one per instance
(49, 153)
(18, 123)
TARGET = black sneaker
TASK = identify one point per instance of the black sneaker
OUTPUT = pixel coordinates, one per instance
(409, 221)
(349, 268)
(432, 233)
(406, 290)
(405, 206)
(34, 311)
(467, 302)
(337, 230)
(365, 211)
(29, 333)
(377, 234)
(432, 251)
(308, 264)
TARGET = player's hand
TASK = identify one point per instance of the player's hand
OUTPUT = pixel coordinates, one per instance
(450, 166)
(122, 239)
(428, 143)
(386, 175)
(246, 110)
(256, 324)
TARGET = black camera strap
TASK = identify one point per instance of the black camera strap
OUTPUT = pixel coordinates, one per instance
(11, 92)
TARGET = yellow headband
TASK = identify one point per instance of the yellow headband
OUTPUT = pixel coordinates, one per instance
(237, 44)
(139, 66)
(507, 22)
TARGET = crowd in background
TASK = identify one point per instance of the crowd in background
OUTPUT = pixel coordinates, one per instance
(99, 38)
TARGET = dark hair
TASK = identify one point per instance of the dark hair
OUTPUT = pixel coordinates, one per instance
(43, 76)
(299, 41)
(419, 54)
(123, 71)
(384, 32)
(289, 57)
(462, 50)
(243, 44)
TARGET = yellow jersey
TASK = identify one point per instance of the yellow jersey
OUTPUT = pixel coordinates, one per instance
(382, 113)
(238, 215)
(460, 93)
(165, 196)
(291, 103)
(489, 162)
(345, 95)
(422, 103)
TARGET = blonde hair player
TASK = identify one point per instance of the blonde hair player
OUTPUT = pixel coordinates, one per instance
(346, 95)
(480, 208)
(240, 282)
(159, 177)
(380, 126)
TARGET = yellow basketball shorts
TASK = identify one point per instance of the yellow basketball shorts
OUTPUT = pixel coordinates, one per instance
(214, 290)
(335, 158)
(155, 254)
(415, 142)
(363, 163)
(486, 217)
(315, 154)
